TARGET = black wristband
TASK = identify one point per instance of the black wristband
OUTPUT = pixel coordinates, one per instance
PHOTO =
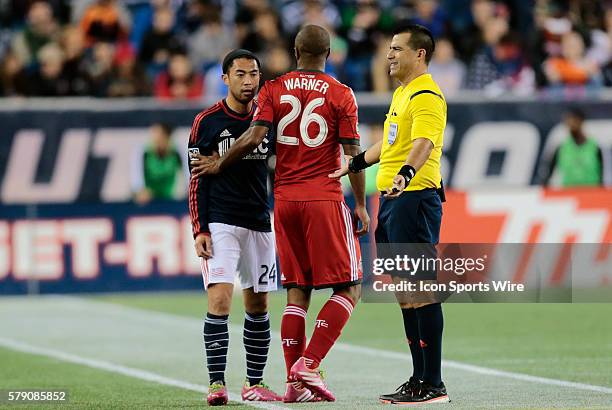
(357, 163)
(407, 171)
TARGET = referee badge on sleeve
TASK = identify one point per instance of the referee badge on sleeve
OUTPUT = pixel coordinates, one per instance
(392, 134)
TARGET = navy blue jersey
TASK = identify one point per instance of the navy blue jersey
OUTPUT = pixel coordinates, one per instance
(237, 196)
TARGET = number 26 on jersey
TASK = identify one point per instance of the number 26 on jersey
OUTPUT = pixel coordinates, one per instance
(307, 118)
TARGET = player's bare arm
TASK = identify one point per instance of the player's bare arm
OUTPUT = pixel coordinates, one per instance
(358, 187)
(247, 142)
(418, 155)
(371, 157)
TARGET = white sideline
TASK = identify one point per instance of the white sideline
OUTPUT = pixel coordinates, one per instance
(123, 370)
(477, 369)
(156, 316)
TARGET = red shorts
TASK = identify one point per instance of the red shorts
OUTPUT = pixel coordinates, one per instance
(316, 244)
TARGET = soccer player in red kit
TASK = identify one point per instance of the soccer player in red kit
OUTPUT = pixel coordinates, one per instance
(316, 238)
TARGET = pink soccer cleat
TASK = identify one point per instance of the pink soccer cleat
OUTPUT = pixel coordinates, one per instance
(259, 392)
(217, 395)
(295, 394)
(311, 379)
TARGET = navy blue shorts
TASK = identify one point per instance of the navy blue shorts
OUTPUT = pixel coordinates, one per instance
(412, 218)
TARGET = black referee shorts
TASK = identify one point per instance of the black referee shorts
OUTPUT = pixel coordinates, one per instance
(412, 218)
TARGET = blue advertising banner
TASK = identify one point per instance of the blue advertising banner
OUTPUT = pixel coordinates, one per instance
(97, 248)
(86, 155)
(67, 223)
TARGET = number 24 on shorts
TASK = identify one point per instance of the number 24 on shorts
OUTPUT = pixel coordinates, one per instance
(269, 273)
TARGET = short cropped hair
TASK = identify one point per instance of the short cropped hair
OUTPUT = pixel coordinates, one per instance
(165, 127)
(420, 37)
(576, 112)
(236, 54)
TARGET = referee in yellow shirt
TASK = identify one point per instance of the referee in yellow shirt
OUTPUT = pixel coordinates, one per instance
(411, 205)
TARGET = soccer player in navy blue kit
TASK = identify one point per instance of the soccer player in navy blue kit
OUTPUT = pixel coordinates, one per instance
(231, 225)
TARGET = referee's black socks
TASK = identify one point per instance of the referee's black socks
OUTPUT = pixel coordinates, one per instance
(431, 324)
(411, 327)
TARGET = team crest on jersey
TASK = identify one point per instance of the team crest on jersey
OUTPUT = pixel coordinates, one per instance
(260, 152)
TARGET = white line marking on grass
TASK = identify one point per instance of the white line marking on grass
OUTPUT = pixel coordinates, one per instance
(237, 329)
(123, 370)
(475, 369)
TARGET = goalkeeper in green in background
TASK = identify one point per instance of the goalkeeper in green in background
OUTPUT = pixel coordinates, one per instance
(578, 159)
(158, 172)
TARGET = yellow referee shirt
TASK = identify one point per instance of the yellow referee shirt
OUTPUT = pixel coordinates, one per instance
(412, 116)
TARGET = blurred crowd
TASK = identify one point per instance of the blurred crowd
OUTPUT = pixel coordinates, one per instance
(171, 49)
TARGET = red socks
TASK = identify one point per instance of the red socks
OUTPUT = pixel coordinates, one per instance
(293, 334)
(330, 322)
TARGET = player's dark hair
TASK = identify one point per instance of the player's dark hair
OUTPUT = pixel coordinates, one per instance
(236, 54)
(576, 112)
(313, 41)
(165, 127)
(420, 37)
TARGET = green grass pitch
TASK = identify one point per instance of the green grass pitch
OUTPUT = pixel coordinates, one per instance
(105, 349)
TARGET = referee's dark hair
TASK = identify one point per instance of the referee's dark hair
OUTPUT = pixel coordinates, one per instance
(420, 37)
(236, 54)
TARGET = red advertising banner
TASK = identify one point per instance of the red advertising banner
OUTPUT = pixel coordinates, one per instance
(528, 216)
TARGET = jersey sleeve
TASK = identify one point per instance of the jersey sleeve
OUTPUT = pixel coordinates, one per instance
(348, 121)
(264, 114)
(427, 112)
(200, 142)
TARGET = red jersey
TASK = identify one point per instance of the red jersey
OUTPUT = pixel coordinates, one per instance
(312, 114)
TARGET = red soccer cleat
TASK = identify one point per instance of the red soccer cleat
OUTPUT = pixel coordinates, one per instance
(311, 379)
(217, 395)
(295, 394)
(259, 392)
